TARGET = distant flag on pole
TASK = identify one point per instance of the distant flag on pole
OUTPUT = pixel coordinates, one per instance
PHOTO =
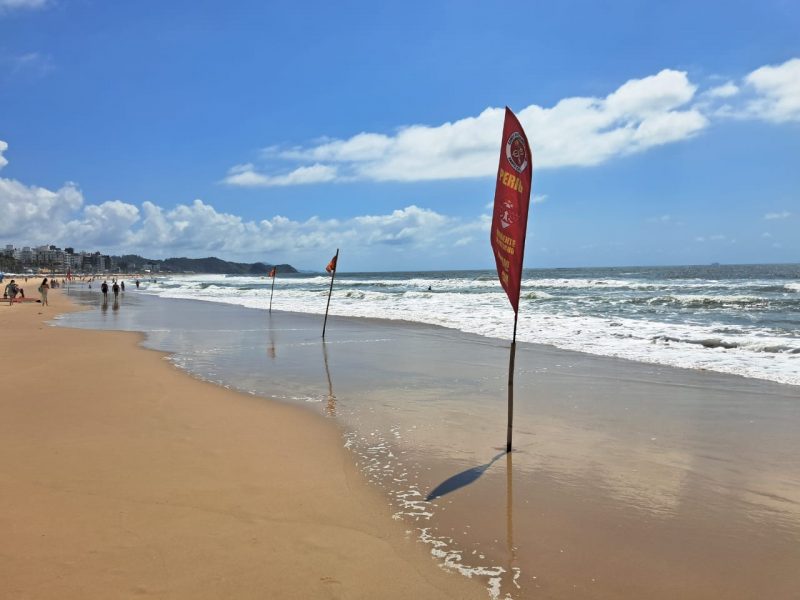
(331, 269)
(332, 265)
(511, 199)
(273, 272)
(69, 274)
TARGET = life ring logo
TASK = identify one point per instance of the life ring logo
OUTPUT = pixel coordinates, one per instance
(516, 153)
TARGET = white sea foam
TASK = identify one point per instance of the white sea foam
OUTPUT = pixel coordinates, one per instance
(559, 316)
(380, 465)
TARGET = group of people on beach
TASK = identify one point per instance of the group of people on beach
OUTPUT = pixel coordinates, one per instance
(14, 293)
(115, 287)
(12, 290)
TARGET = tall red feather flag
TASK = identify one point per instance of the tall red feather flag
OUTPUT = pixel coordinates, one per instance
(511, 199)
(273, 272)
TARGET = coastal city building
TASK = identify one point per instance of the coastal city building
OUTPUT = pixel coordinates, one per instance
(53, 258)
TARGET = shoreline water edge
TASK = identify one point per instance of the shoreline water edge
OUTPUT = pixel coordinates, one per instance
(627, 479)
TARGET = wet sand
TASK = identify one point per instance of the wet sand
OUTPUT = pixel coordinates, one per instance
(628, 480)
(123, 477)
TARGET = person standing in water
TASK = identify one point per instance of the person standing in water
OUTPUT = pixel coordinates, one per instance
(104, 289)
(115, 289)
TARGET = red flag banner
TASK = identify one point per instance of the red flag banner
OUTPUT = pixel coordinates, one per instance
(69, 274)
(273, 272)
(511, 198)
(331, 265)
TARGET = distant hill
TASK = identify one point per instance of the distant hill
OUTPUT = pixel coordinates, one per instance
(199, 265)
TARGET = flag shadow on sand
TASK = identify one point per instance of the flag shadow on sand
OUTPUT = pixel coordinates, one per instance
(462, 479)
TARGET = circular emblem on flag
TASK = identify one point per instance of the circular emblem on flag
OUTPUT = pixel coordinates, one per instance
(516, 153)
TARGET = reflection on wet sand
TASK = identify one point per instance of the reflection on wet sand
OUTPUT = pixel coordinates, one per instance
(330, 405)
(629, 488)
(271, 350)
(511, 549)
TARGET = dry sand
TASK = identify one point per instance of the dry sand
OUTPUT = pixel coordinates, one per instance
(122, 477)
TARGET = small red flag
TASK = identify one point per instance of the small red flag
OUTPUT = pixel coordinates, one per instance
(273, 272)
(331, 265)
(511, 199)
(69, 274)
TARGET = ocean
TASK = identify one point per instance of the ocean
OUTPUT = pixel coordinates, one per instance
(738, 319)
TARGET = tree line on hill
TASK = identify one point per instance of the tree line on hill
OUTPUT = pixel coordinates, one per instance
(212, 264)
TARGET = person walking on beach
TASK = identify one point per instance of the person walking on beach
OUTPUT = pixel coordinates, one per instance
(115, 289)
(104, 289)
(137, 284)
(122, 285)
(43, 291)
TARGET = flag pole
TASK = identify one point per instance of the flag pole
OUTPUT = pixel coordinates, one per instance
(512, 355)
(509, 228)
(330, 291)
(274, 272)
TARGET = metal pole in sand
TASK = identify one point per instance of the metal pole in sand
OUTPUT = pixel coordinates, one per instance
(330, 291)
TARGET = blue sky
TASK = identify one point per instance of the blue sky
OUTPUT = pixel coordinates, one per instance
(663, 133)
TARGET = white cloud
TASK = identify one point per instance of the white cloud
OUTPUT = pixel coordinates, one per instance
(535, 199)
(726, 90)
(778, 92)
(246, 176)
(712, 238)
(27, 210)
(107, 224)
(660, 219)
(34, 215)
(3, 159)
(578, 131)
(772, 216)
(31, 64)
(199, 229)
(9, 5)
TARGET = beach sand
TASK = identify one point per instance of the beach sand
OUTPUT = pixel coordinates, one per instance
(123, 477)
